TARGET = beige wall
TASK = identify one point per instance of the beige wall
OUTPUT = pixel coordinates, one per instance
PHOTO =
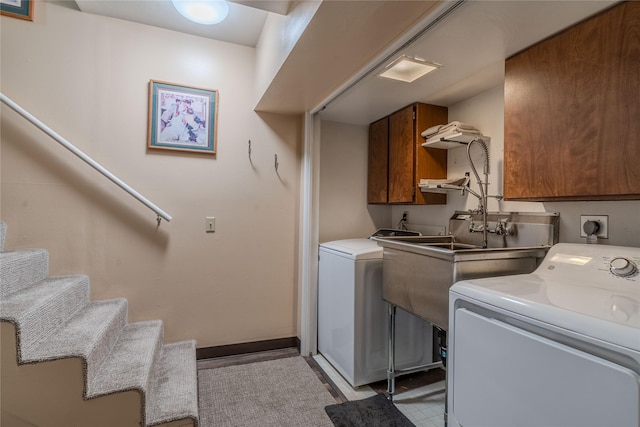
(87, 78)
(278, 38)
(343, 212)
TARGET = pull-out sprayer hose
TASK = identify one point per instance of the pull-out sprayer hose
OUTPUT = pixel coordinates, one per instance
(483, 185)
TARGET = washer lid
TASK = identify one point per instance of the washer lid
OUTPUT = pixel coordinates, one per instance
(573, 288)
(355, 248)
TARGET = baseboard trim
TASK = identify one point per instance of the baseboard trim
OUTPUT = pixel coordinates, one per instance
(248, 347)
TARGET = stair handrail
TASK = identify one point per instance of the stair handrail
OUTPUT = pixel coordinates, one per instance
(97, 166)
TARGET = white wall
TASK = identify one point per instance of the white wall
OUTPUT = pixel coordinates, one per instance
(343, 188)
(87, 77)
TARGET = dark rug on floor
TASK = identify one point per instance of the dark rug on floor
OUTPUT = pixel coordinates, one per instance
(375, 411)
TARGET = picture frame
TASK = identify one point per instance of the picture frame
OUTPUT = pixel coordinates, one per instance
(21, 9)
(182, 118)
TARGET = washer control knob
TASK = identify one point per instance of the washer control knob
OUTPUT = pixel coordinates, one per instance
(623, 267)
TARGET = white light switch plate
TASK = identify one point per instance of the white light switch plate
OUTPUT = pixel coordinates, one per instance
(210, 224)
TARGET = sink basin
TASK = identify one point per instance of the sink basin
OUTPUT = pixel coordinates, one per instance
(418, 271)
(443, 245)
(417, 274)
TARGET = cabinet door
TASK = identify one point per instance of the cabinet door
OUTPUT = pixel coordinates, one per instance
(572, 128)
(397, 160)
(401, 156)
(378, 161)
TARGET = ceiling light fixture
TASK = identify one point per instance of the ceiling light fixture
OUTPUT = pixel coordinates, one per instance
(408, 69)
(206, 12)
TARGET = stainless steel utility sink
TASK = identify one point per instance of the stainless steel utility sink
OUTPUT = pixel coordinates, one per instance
(418, 271)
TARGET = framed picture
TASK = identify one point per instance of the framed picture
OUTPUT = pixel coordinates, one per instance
(182, 118)
(22, 9)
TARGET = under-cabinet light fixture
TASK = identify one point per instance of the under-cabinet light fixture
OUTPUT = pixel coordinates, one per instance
(206, 12)
(408, 69)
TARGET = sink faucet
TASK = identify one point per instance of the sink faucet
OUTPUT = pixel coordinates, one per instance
(502, 229)
(482, 197)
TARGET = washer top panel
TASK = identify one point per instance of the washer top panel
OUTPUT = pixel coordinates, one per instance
(590, 289)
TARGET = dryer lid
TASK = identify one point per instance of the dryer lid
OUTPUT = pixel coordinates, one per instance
(354, 248)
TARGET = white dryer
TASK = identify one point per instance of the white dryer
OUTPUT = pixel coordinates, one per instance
(352, 316)
(557, 347)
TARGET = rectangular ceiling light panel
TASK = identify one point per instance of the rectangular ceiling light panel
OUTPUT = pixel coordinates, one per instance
(408, 69)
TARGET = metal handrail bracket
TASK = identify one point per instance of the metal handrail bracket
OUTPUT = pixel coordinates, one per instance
(24, 113)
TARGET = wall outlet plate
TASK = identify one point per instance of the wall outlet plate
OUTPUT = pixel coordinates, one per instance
(603, 220)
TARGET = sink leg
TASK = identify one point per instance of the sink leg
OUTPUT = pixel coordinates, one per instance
(391, 372)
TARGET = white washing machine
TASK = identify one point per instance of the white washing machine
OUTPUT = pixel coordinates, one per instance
(352, 316)
(557, 347)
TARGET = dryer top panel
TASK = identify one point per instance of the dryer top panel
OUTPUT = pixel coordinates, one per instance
(356, 249)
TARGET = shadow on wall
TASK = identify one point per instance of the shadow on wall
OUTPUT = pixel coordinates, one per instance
(43, 152)
(289, 130)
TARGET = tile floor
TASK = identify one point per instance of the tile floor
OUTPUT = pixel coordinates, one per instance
(424, 405)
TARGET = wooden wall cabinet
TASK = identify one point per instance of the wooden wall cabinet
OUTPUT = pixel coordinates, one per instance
(572, 112)
(397, 160)
(378, 164)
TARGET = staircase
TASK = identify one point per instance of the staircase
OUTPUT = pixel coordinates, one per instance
(68, 361)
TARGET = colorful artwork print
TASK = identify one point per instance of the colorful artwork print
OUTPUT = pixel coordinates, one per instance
(182, 118)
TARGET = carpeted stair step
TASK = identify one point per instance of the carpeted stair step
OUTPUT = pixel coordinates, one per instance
(21, 269)
(38, 311)
(174, 392)
(54, 319)
(131, 361)
(90, 334)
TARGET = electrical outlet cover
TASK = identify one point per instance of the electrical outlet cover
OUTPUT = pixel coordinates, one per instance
(602, 220)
